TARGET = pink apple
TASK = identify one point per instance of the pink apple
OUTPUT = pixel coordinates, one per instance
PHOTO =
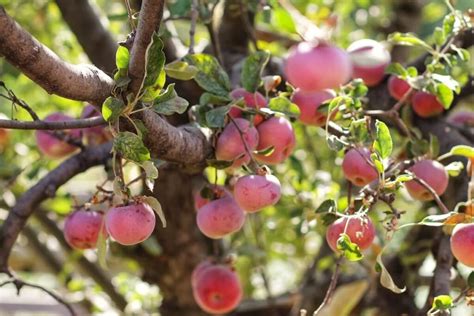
(360, 230)
(82, 227)
(230, 145)
(433, 173)
(130, 224)
(462, 244)
(278, 133)
(356, 167)
(369, 59)
(220, 217)
(219, 192)
(309, 102)
(462, 118)
(254, 192)
(217, 290)
(313, 67)
(50, 145)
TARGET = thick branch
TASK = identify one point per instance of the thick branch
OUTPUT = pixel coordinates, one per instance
(44, 189)
(91, 34)
(59, 125)
(40, 64)
(151, 13)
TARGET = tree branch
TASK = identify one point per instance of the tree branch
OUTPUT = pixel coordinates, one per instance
(40, 64)
(58, 125)
(151, 13)
(96, 41)
(44, 189)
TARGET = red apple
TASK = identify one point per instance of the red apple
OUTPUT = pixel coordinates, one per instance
(356, 167)
(309, 102)
(254, 192)
(426, 105)
(369, 59)
(360, 230)
(217, 290)
(314, 67)
(230, 145)
(433, 173)
(276, 132)
(50, 145)
(397, 87)
(462, 244)
(82, 227)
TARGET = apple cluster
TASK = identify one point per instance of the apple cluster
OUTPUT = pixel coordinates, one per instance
(127, 225)
(315, 69)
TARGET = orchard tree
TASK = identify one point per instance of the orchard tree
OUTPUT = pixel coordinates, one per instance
(243, 157)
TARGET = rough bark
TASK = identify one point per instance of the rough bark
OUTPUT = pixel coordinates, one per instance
(183, 246)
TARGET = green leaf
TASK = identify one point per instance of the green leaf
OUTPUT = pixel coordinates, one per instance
(180, 70)
(265, 151)
(168, 102)
(254, 64)
(180, 7)
(358, 130)
(448, 81)
(219, 164)
(442, 302)
(155, 62)
(284, 105)
(385, 277)
(335, 143)
(102, 248)
(350, 250)
(454, 168)
(210, 76)
(439, 36)
(448, 23)
(122, 58)
(131, 147)
(462, 150)
(444, 95)
(112, 108)
(408, 39)
(209, 98)
(377, 163)
(404, 178)
(327, 206)
(396, 69)
(383, 143)
(150, 169)
(470, 280)
(434, 146)
(435, 220)
(156, 206)
(215, 118)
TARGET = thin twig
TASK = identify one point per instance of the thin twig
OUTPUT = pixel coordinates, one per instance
(332, 286)
(58, 125)
(192, 28)
(20, 283)
(436, 197)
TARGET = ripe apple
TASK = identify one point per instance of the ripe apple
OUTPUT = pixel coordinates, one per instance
(82, 227)
(462, 244)
(309, 102)
(50, 145)
(433, 173)
(397, 87)
(314, 67)
(369, 59)
(254, 192)
(426, 105)
(278, 133)
(252, 100)
(360, 230)
(356, 167)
